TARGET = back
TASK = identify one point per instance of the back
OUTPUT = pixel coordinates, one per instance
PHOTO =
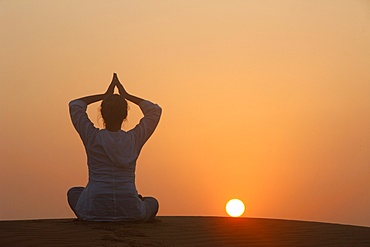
(111, 192)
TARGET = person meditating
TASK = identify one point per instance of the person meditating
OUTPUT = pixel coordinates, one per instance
(111, 194)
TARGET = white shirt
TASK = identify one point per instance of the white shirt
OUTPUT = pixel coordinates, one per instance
(111, 194)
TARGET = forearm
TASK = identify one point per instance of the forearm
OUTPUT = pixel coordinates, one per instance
(133, 99)
(92, 98)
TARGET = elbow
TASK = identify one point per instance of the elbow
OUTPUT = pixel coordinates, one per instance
(156, 108)
(159, 110)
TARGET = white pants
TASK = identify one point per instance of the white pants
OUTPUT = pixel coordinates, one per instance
(151, 204)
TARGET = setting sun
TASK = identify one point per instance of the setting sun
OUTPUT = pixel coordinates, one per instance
(235, 207)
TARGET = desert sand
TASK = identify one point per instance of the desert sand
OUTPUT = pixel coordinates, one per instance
(181, 231)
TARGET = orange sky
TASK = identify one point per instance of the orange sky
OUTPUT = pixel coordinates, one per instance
(265, 101)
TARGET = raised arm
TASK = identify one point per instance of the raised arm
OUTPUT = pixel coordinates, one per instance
(97, 97)
(152, 113)
(134, 99)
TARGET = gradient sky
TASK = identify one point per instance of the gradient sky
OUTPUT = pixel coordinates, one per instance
(265, 101)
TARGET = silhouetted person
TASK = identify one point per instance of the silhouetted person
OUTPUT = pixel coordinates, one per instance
(111, 194)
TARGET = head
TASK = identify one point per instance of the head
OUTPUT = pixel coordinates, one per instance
(113, 110)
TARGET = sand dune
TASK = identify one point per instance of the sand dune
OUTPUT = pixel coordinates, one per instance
(182, 231)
